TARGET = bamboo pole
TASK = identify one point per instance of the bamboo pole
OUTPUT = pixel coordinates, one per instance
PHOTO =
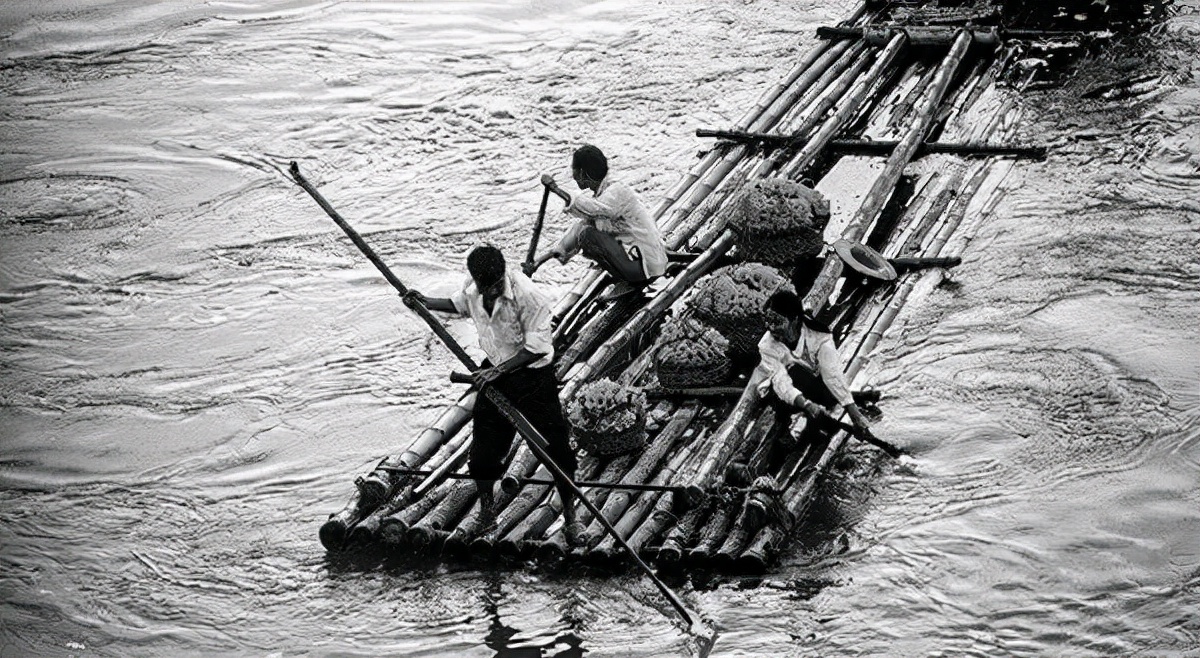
(726, 182)
(618, 502)
(680, 536)
(726, 441)
(452, 455)
(393, 529)
(534, 524)
(893, 169)
(633, 517)
(711, 535)
(761, 116)
(379, 486)
(863, 89)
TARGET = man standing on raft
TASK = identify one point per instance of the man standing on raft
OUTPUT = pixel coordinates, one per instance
(615, 229)
(513, 321)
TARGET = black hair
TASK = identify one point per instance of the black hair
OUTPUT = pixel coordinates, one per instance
(592, 161)
(786, 303)
(486, 265)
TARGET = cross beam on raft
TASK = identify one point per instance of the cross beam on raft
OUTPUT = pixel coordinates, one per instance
(881, 147)
(945, 36)
(540, 481)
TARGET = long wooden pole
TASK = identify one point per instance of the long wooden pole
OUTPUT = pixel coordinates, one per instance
(534, 439)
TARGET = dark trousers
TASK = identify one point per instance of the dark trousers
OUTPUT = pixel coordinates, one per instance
(534, 392)
(610, 254)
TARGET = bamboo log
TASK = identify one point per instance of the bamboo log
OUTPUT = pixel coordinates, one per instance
(698, 392)
(884, 147)
(663, 509)
(605, 356)
(711, 535)
(451, 456)
(878, 195)
(534, 524)
(763, 546)
(858, 95)
(834, 61)
(634, 516)
(618, 502)
(843, 77)
(595, 330)
(726, 441)
(671, 551)
(393, 529)
(555, 546)
(379, 486)
(760, 117)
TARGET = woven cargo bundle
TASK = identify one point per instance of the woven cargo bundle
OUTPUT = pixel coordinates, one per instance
(778, 221)
(691, 353)
(607, 418)
(731, 300)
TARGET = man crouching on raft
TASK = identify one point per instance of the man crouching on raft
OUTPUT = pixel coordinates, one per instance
(615, 229)
(513, 321)
(799, 367)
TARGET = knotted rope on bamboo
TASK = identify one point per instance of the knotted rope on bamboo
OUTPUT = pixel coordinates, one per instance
(731, 300)
(778, 221)
(690, 353)
(607, 418)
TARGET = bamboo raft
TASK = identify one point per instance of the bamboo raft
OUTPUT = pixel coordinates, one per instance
(932, 90)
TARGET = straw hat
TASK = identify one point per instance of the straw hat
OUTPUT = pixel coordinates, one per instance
(864, 260)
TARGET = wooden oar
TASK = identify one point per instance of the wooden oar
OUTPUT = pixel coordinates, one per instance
(532, 436)
(530, 265)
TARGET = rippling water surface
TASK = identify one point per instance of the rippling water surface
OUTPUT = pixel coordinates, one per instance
(196, 362)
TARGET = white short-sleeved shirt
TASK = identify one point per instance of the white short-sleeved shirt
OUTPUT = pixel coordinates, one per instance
(519, 318)
(616, 209)
(815, 351)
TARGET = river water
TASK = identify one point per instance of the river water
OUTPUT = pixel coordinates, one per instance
(196, 362)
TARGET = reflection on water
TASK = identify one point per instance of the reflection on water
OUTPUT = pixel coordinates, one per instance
(195, 363)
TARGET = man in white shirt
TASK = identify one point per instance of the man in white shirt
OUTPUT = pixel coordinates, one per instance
(513, 321)
(615, 228)
(799, 366)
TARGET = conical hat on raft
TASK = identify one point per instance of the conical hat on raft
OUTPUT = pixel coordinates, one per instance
(864, 260)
